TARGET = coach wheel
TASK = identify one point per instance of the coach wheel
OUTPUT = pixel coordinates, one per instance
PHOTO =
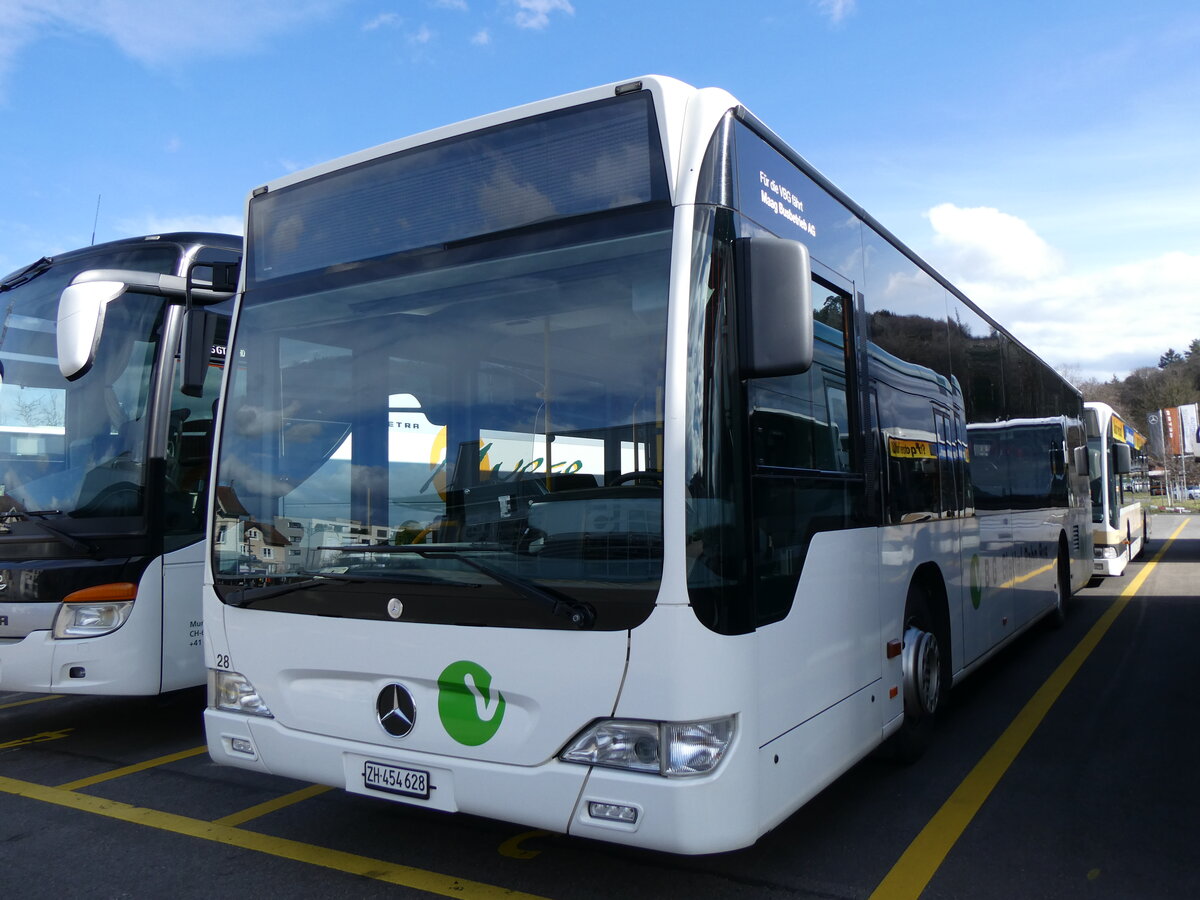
(921, 672)
(1062, 590)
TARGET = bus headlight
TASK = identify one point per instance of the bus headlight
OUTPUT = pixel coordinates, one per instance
(660, 748)
(86, 620)
(94, 611)
(233, 691)
(1105, 552)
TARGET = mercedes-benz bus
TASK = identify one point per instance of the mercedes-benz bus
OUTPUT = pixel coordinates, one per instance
(105, 453)
(1120, 527)
(598, 465)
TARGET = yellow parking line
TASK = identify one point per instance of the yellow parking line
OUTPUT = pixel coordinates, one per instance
(129, 770)
(41, 699)
(254, 812)
(917, 865)
(366, 867)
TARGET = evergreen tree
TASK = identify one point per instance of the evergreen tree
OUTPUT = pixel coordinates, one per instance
(1169, 358)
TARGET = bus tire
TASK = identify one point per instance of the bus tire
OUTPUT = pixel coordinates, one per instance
(1062, 589)
(922, 668)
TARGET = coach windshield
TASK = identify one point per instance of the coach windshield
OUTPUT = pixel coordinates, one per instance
(466, 427)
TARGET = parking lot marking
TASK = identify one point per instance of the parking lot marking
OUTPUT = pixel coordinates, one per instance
(129, 770)
(37, 738)
(254, 812)
(512, 847)
(918, 864)
(377, 869)
(41, 699)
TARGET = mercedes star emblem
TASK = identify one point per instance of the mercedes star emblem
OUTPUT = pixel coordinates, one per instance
(396, 710)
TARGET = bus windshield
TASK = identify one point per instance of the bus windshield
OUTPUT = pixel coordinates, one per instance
(77, 450)
(486, 434)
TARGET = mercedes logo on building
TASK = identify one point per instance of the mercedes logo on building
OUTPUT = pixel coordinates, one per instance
(396, 710)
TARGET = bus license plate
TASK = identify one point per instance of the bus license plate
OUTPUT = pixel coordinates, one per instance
(396, 779)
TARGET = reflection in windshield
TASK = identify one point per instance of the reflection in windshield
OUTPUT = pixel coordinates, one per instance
(501, 415)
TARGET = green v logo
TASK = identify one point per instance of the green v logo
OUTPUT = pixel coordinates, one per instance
(471, 712)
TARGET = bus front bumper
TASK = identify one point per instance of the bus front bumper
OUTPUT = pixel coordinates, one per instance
(673, 815)
(1110, 560)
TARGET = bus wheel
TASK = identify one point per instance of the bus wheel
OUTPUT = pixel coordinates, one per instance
(921, 671)
(1062, 590)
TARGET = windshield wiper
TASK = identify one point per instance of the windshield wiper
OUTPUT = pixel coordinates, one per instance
(27, 274)
(578, 613)
(239, 598)
(39, 518)
(248, 596)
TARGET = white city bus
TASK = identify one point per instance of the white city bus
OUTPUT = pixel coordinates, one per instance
(599, 466)
(104, 461)
(1119, 524)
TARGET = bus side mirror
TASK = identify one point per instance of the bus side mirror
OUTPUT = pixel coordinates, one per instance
(1122, 459)
(80, 322)
(775, 294)
(1082, 460)
(199, 339)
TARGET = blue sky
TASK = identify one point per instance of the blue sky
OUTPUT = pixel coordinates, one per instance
(1043, 155)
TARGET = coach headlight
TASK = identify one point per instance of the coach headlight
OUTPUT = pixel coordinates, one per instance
(1105, 552)
(659, 748)
(233, 691)
(94, 611)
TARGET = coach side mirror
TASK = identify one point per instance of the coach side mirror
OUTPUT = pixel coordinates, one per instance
(81, 308)
(1122, 459)
(774, 278)
(199, 348)
(1082, 460)
(82, 305)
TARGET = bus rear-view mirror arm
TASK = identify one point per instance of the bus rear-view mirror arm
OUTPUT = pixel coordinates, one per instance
(83, 302)
(775, 292)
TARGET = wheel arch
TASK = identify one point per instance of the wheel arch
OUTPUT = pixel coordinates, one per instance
(930, 581)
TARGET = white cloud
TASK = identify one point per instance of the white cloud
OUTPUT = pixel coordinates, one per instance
(983, 243)
(535, 14)
(421, 36)
(1098, 321)
(159, 33)
(152, 223)
(1104, 322)
(460, 5)
(384, 20)
(482, 37)
(836, 10)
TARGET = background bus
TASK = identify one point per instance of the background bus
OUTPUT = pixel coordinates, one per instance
(614, 473)
(103, 479)
(1119, 523)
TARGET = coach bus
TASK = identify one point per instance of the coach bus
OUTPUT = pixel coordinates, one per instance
(1120, 529)
(105, 452)
(605, 469)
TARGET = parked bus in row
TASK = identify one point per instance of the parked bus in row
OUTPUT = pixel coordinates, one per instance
(598, 465)
(105, 453)
(1119, 523)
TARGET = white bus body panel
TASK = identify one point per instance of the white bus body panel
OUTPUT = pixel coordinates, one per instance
(115, 663)
(182, 624)
(151, 653)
